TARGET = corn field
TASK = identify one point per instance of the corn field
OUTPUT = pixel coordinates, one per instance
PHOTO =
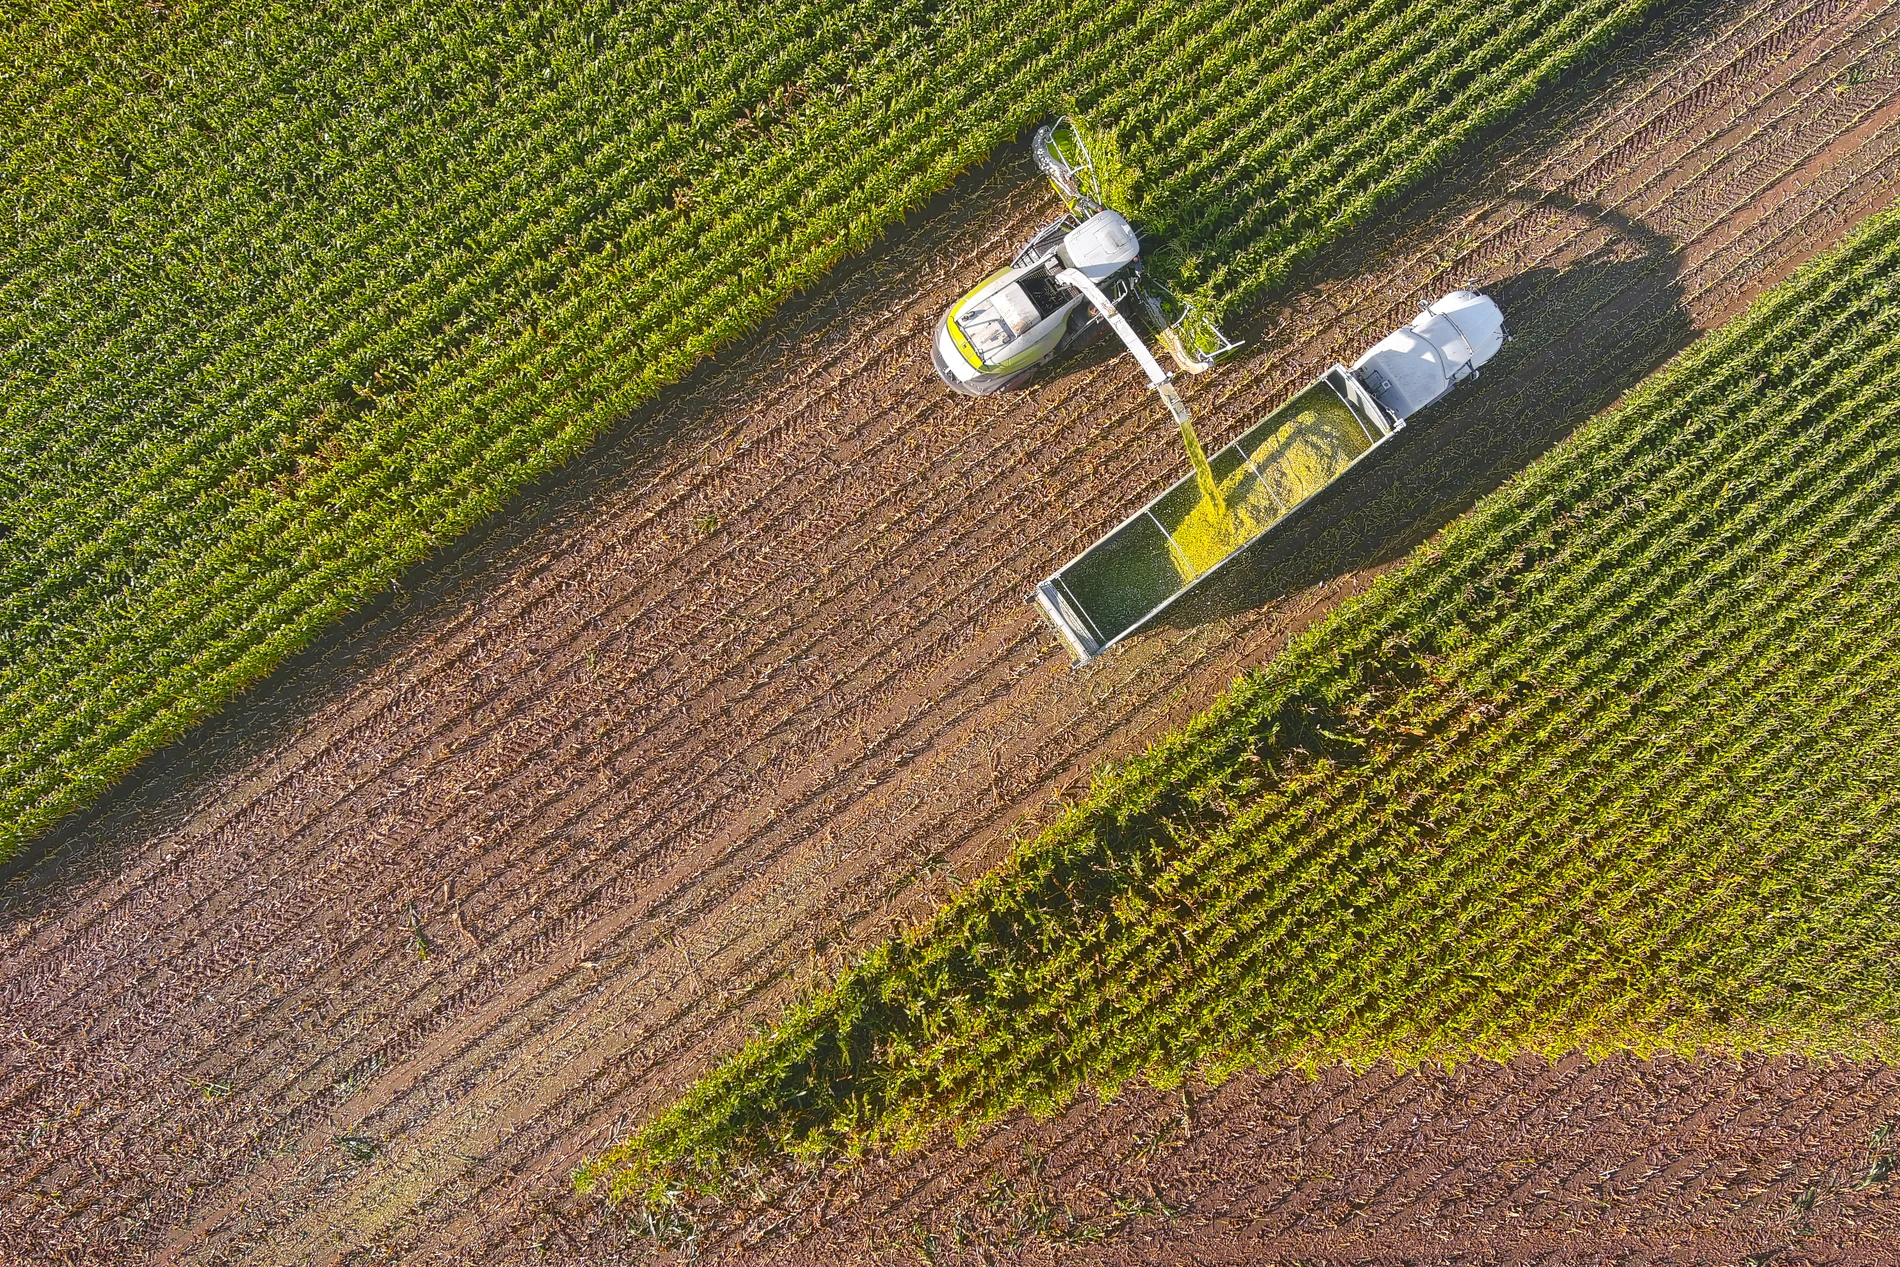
(292, 296)
(1611, 764)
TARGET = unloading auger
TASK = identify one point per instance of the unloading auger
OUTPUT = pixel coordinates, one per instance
(1079, 275)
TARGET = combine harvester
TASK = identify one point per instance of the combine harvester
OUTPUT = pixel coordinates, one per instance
(1072, 280)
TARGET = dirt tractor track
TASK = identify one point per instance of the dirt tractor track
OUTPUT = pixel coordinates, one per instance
(482, 883)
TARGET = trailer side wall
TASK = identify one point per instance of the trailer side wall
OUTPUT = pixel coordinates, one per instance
(1126, 579)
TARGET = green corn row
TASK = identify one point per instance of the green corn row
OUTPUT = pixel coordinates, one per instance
(289, 296)
(1614, 764)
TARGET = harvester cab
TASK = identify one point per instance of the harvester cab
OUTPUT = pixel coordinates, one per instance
(1071, 281)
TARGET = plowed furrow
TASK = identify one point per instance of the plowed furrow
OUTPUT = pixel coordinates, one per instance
(633, 777)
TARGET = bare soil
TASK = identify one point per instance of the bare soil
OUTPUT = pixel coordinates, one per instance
(364, 968)
(1627, 1161)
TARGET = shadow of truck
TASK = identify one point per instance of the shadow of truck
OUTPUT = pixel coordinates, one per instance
(1582, 334)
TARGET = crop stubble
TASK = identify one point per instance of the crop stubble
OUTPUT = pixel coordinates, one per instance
(1635, 1162)
(760, 683)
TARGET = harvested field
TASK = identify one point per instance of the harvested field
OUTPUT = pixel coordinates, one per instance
(1631, 1162)
(374, 963)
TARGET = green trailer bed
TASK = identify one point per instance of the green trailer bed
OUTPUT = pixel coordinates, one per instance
(1160, 553)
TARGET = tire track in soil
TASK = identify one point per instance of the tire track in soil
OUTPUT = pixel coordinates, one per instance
(600, 769)
(1628, 1161)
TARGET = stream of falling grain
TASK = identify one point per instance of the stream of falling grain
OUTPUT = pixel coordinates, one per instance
(1283, 467)
(1203, 473)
